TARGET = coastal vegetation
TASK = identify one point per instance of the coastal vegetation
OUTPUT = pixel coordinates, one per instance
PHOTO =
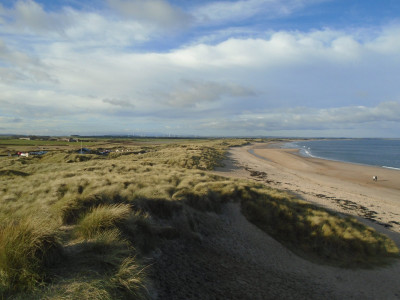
(85, 224)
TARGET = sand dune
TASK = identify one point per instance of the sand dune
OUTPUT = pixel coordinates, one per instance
(233, 259)
(272, 271)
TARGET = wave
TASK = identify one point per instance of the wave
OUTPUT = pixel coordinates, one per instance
(373, 157)
(392, 168)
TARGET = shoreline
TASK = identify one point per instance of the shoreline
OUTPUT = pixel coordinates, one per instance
(281, 144)
(340, 186)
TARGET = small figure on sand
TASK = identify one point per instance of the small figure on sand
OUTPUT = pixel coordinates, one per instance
(375, 178)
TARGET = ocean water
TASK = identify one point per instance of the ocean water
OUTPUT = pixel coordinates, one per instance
(374, 152)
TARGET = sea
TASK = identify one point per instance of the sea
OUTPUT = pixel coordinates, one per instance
(374, 152)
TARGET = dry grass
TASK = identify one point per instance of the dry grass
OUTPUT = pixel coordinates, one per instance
(317, 233)
(27, 248)
(102, 218)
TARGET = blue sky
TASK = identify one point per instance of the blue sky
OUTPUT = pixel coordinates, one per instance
(247, 67)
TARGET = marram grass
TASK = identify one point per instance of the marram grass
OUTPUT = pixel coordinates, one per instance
(316, 233)
(102, 218)
(27, 248)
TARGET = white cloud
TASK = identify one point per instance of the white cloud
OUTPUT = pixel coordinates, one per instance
(31, 25)
(153, 12)
(387, 42)
(19, 66)
(119, 103)
(30, 16)
(306, 118)
(280, 48)
(228, 11)
(195, 94)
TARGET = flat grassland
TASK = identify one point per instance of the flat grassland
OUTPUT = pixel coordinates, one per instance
(130, 225)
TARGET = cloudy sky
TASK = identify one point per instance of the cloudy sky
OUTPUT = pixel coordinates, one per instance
(243, 67)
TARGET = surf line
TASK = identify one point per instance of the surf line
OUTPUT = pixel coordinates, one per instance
(391, 168)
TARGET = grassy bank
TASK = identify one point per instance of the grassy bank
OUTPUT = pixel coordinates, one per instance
(83, 225)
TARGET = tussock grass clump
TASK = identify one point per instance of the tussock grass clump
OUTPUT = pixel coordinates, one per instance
(102, 218)
(207, 193)
(138, 229)
(83, 289)
(27, 248)
(108, 254)
(103, 252)
(131, 278)
(161, 208)
(316, 233)
(72, 208)
(13, 173)
(126, 282)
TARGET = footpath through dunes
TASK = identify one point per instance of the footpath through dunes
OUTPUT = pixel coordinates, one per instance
(233, 259)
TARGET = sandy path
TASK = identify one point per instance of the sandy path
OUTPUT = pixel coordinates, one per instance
(232, 259)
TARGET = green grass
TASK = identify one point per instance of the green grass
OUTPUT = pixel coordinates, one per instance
(102, 215)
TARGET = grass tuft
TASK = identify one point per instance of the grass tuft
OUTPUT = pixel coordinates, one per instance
(101, 218)
(83, 289)
(131, 279)
(27, 248)
(13, 173)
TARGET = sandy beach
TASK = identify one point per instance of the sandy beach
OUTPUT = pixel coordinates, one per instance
(343, 187)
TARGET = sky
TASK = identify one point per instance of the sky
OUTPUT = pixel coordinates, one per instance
(296, 68)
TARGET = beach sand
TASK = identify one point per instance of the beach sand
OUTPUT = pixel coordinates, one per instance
(343, 187)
